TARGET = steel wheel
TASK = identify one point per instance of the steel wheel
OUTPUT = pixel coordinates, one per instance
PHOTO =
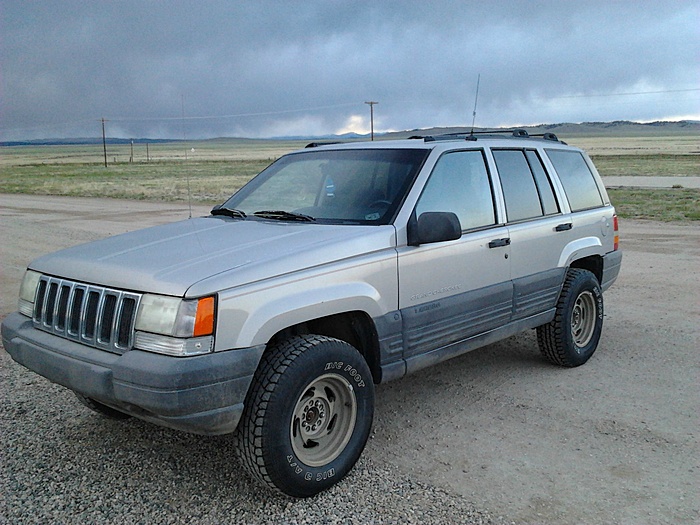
(572, 336)
(323, 420)
(307, 416)
(583, 319)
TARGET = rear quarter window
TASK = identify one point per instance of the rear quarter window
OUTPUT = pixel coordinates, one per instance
(580, 186)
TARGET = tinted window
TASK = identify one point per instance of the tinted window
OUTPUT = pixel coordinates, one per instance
(519, 189)
(544, 185)
(579, 184)
(460, 183)
(354, 185)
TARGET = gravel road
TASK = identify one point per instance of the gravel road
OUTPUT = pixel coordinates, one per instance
(495, 436)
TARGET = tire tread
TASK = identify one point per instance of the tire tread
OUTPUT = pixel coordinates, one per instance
(551, 337)
(248, 438)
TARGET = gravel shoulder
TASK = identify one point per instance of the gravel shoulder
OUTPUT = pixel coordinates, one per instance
(495, 436)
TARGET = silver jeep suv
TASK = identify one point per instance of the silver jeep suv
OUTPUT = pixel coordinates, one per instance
(338, 267)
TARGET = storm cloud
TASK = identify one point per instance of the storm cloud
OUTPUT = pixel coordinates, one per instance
(274, 68)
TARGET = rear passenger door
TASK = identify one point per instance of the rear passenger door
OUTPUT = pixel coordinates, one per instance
(537, 229)
(453, 290)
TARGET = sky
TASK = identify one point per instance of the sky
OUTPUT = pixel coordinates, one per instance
(233, 68)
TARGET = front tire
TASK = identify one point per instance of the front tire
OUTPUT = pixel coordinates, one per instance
(307, 415)
(572, 336)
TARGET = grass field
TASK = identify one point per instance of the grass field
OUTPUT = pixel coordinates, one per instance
(215, 169)
(210, 180)
(660, 204)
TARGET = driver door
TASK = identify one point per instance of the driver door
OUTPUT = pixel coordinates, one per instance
(451, 291)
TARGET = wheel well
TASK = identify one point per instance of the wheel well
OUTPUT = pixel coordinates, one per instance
(355, 328)
(593, 264)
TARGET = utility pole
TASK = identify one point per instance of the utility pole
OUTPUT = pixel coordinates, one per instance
(104, 141)
(371, 117)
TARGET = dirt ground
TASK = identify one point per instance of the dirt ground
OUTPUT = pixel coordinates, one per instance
(614, 441)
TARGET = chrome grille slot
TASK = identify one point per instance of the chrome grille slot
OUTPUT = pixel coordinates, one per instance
(96, 316)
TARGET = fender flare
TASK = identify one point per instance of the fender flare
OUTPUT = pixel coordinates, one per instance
(281, 308)
(579, 249)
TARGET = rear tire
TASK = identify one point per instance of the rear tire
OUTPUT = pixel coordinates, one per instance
(307, 415)
(571, 338)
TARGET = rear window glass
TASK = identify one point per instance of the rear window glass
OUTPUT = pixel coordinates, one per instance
(519, 189)
(544, 185)
(580, 186)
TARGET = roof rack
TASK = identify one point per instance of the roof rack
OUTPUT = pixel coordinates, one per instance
(472, 135)
(317, 144)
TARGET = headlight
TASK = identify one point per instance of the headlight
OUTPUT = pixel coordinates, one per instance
(27, 292)
(173, 326)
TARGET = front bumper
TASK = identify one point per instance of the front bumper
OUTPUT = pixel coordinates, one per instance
(200, 394)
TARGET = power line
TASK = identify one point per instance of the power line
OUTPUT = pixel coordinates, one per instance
(181, 117)
(307, 109)
(630, 93)
(237, 115)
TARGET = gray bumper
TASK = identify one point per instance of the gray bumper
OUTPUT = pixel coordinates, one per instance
(202, 394)
(611, 268)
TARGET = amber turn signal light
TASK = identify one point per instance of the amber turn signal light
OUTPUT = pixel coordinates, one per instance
(204, 319)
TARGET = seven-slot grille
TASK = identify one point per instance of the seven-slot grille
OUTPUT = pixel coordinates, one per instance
(92, 315)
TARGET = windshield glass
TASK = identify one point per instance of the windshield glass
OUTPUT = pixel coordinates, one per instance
(359, 186)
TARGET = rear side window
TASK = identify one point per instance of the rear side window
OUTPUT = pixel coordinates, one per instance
(580, 186)
(526, 187)
(544, 185)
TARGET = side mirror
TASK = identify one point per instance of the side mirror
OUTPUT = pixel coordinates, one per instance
(434, 226)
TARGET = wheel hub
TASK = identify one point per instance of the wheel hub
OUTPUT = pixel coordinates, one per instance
(313, 415)
(323, 420)
(583, 319)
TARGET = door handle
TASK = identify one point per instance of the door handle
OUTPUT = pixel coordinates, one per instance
(497, 243)
(564, 227)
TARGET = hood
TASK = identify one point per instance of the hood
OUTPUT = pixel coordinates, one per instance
(171, 259)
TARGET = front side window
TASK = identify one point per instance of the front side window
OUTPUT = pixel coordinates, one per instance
(364, 186)
(460, 184)
(580, 186)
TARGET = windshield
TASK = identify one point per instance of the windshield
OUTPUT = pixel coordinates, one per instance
(338, 186)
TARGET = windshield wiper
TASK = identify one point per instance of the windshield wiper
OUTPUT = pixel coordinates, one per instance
(229, 212)
(282, 215)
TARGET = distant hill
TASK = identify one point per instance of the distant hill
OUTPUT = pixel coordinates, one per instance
(84, 141)
(618, 128)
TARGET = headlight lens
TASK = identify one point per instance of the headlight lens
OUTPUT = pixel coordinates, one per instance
(158, 314)
(174, 326)
(27, 292)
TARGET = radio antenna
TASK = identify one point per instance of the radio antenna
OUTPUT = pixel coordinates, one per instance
(476, 99)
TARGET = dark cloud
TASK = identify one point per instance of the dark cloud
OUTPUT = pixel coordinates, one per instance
(273, 68)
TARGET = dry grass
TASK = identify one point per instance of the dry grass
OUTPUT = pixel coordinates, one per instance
(215, 169)
(209, 181)
(608, 145)
(660, 204)
(197, 151)
(661, 165)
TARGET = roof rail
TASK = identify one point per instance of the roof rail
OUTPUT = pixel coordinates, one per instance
(472, 135)
(317, 144)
